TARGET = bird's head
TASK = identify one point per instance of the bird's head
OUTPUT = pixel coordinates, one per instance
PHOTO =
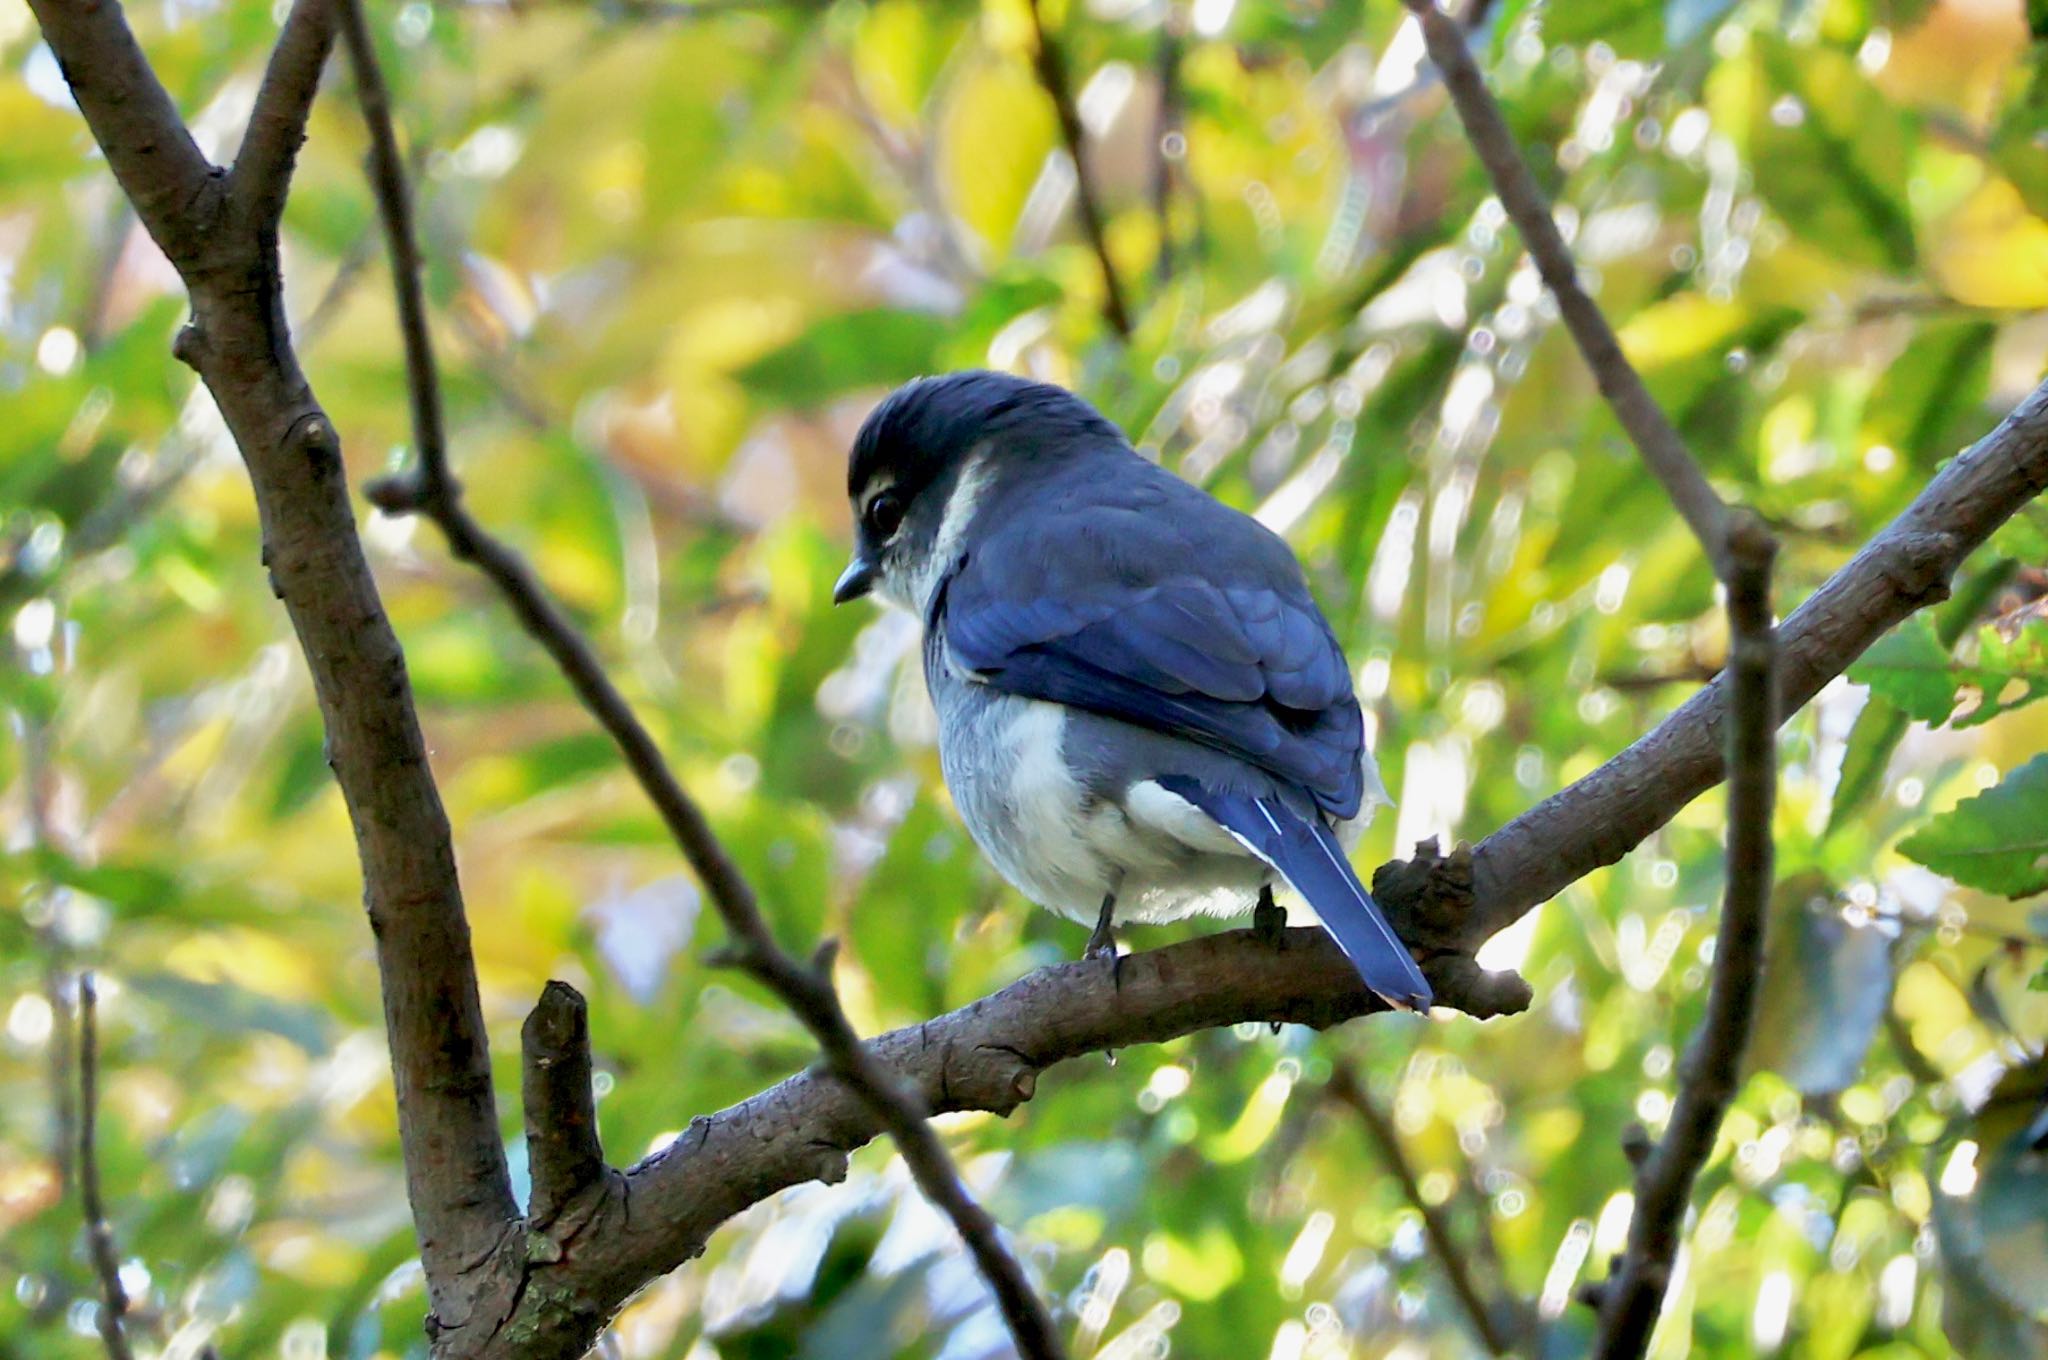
(934, 452)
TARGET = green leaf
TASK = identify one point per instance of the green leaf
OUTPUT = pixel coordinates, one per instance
(908, 906)
(858, 349)
(1876, 734)
(1633, 28)
(1933, 386)
(1825, 988)
(2002, 664)
(1910, 667)
(1831, 154)
(2025, 535)
(1996, 841)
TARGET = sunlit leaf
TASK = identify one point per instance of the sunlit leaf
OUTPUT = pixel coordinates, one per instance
(1826, 986)
(1996, 840)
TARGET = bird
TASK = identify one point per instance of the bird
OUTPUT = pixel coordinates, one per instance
(1142, 713)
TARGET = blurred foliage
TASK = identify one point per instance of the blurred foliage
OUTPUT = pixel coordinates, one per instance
(676, 251)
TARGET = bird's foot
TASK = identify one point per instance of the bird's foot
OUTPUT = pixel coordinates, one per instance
(1269, 919)
(1102, 943)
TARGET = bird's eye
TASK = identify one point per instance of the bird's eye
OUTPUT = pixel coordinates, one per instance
(885, 515)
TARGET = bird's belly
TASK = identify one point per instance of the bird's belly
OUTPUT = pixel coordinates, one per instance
(1067, 846)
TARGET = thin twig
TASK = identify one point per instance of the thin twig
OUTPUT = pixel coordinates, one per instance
(99, 1238)
(1166, 129)
(806, 989)
(1712, 1069)
(1451, 1256)
(1051, 64)
(394, 203)
(1647, 426)
(262, 174)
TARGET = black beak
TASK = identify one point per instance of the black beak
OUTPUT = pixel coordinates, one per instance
(857, 580)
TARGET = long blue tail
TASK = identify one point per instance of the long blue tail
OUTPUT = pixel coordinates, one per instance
(1306, 852)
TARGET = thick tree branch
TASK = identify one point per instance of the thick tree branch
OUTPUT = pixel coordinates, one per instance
(1051, 64)
(1711, 1072)
(262, 173)
(455, 1167)
(1652, 433)
(807, 990)
(175, 190)
(1602, 817)
(1489, 1322)
(986, 1056)
(99, 1237)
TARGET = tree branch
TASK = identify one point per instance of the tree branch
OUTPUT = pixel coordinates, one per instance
(1712, 1070)
(175, 189)
(262, 173)
(985, 1056)
(394, 205)
(240, 344)
(1602, 817)
(806, 990)
(1166, 127)
(99, 1238)
(1051, 65)
(1652, 433)
(1451, 1257)
(563, 1151)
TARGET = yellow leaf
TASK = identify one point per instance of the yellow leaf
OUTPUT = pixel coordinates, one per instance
(1992, 252)
(994, 134)
(1680, 327)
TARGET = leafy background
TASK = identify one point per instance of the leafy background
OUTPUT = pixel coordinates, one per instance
(676, 251)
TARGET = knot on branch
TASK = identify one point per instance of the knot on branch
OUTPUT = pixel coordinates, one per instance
(397, 493)
(1919, 564)
(189, 348)
(1428, 899)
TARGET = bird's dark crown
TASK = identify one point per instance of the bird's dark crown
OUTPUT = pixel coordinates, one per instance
(929, 424)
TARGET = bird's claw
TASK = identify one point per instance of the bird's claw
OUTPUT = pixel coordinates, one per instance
(1269, 919)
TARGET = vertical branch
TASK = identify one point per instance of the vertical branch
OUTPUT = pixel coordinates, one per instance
(1051, 64)
(394, 203)
(99, 1238)
(219, 230)
(1347, 1090)
(1741, 551)
(1165, 128)
(570, 1151)
(1712, 1070)
(1648, 427)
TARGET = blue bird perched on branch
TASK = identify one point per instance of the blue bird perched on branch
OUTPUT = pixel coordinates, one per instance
(1142, 713)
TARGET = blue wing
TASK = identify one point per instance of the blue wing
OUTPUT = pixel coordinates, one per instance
(1153, 603)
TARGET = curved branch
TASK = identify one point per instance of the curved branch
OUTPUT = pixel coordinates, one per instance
(238, 340)
(1602, 817)
(1647, 425)
(984, 1056)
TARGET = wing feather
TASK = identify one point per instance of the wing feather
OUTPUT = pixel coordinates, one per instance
(1151, 602)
